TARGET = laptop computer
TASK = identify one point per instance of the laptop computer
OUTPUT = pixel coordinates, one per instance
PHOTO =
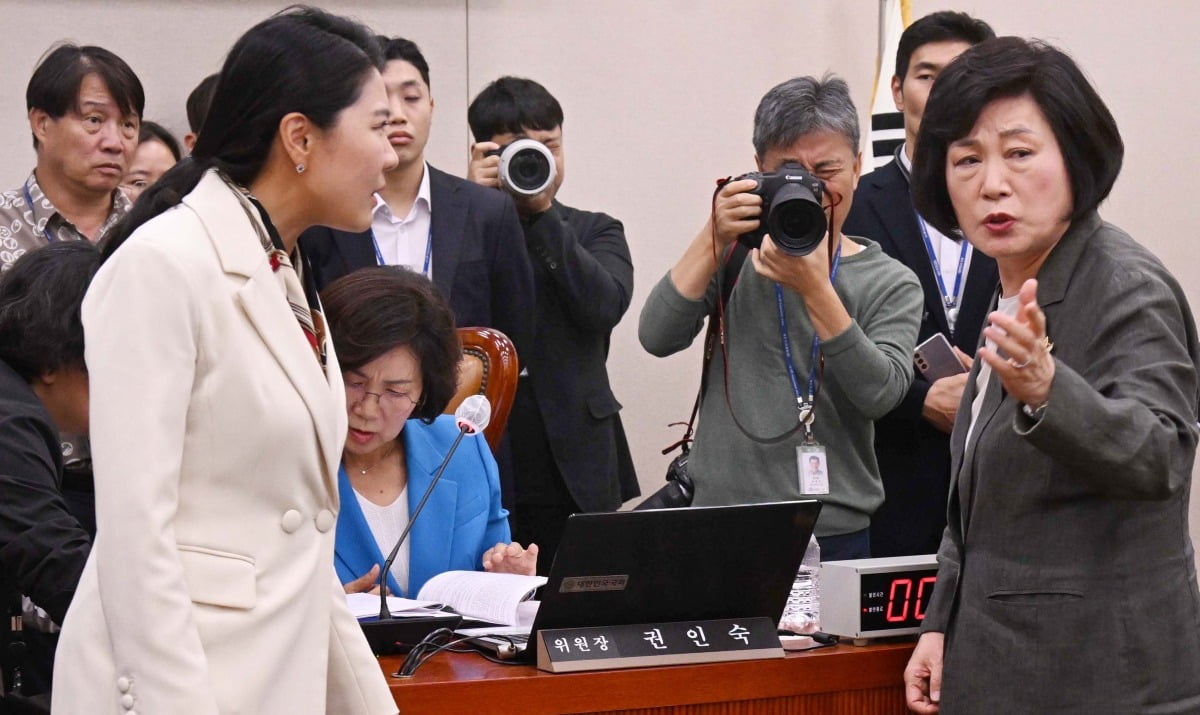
(660, 565)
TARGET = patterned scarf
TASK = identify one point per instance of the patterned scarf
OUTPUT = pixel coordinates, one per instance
(292, 273)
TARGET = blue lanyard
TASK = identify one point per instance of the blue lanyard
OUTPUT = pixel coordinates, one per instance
(428, 250)
(948, 300)
(29, 202)
(805, 407)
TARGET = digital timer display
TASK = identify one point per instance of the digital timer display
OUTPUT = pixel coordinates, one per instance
(869, 598)
(894, 600)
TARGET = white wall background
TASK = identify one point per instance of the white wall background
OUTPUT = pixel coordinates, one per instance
(659, 99)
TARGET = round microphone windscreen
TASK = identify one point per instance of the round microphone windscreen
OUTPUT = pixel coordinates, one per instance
(474, 414)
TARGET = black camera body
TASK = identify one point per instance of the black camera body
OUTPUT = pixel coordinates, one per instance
(527, 167)
(791, 210)
(680, 489)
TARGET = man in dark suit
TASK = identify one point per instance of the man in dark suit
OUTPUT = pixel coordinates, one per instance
(569, 448)
(466, 238)
(912, 443)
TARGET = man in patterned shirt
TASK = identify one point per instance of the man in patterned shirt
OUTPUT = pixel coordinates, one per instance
(85, 105)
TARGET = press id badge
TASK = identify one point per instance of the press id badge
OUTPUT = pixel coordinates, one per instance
(812, 468)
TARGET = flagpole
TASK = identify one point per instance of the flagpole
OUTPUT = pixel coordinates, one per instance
(882, 30)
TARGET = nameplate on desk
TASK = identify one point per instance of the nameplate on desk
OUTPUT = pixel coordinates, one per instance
(568, 650)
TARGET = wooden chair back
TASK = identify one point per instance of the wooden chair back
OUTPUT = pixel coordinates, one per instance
(488, 367)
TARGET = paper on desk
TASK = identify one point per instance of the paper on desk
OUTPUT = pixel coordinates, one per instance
(367, 604)
(527, 612)
(485, 596)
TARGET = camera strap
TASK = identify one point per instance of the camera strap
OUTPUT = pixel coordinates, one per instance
(805, 417)
(735, 257)
(728, 271)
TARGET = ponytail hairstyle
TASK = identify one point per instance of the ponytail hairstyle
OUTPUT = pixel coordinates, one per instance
(301, 59)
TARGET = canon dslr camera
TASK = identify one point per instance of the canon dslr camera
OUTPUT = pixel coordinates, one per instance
(791, 210)
(526, 167)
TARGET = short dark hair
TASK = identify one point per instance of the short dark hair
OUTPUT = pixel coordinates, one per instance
(375, 310)
(301, 59)
(944, 26)
(803, 105)
(153, 131)
(398, 48)
(54, 86)
(511, 105)
(40, 297)
(198, 101)
(1086, 133)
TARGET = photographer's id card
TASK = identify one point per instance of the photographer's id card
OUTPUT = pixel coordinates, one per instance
(813, 469)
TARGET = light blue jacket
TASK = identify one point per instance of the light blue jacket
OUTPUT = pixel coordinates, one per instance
(461, 521)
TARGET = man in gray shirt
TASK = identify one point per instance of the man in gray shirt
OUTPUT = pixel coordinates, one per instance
(824, 338)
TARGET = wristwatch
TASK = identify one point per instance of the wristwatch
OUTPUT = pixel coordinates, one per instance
(1034, 413)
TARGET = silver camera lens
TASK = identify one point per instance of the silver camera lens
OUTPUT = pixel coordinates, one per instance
(526, 167)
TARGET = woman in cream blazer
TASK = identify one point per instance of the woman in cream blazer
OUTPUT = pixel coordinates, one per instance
(217, 430)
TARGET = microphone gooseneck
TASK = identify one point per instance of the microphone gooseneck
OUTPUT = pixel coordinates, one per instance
(472, 416)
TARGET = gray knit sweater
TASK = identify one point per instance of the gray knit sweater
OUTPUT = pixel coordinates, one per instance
(868, 368)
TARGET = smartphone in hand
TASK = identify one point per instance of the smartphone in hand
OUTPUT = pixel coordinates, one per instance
(935, 358)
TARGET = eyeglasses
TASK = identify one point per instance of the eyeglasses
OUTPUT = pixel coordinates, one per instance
(389, 400)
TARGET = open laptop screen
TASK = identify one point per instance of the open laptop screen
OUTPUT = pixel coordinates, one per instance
(657, 565)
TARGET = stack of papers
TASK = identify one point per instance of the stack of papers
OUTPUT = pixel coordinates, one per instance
(364, 605)
(491, 597)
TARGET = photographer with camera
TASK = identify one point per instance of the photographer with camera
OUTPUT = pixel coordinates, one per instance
(568, 444)
(817, 333)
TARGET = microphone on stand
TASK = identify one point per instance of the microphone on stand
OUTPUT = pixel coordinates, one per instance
(472, 416)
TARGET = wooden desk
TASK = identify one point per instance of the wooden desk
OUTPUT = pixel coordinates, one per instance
(841, 679)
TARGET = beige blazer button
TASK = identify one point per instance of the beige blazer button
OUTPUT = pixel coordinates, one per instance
(123, 684)
(127, 701)
(291, 520)
(325, 520)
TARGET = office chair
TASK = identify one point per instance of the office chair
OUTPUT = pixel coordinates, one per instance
(488, 367)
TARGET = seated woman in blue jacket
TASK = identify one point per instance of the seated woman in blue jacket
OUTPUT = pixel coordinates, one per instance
(397, 346)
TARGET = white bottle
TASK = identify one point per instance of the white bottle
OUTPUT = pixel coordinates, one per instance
(802, 614)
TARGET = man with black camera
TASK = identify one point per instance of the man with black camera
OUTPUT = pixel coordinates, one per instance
(817, 335)
(568, 444)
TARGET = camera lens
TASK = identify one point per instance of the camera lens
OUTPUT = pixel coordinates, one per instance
(796, 220)
(526, 167)
(529, 169)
